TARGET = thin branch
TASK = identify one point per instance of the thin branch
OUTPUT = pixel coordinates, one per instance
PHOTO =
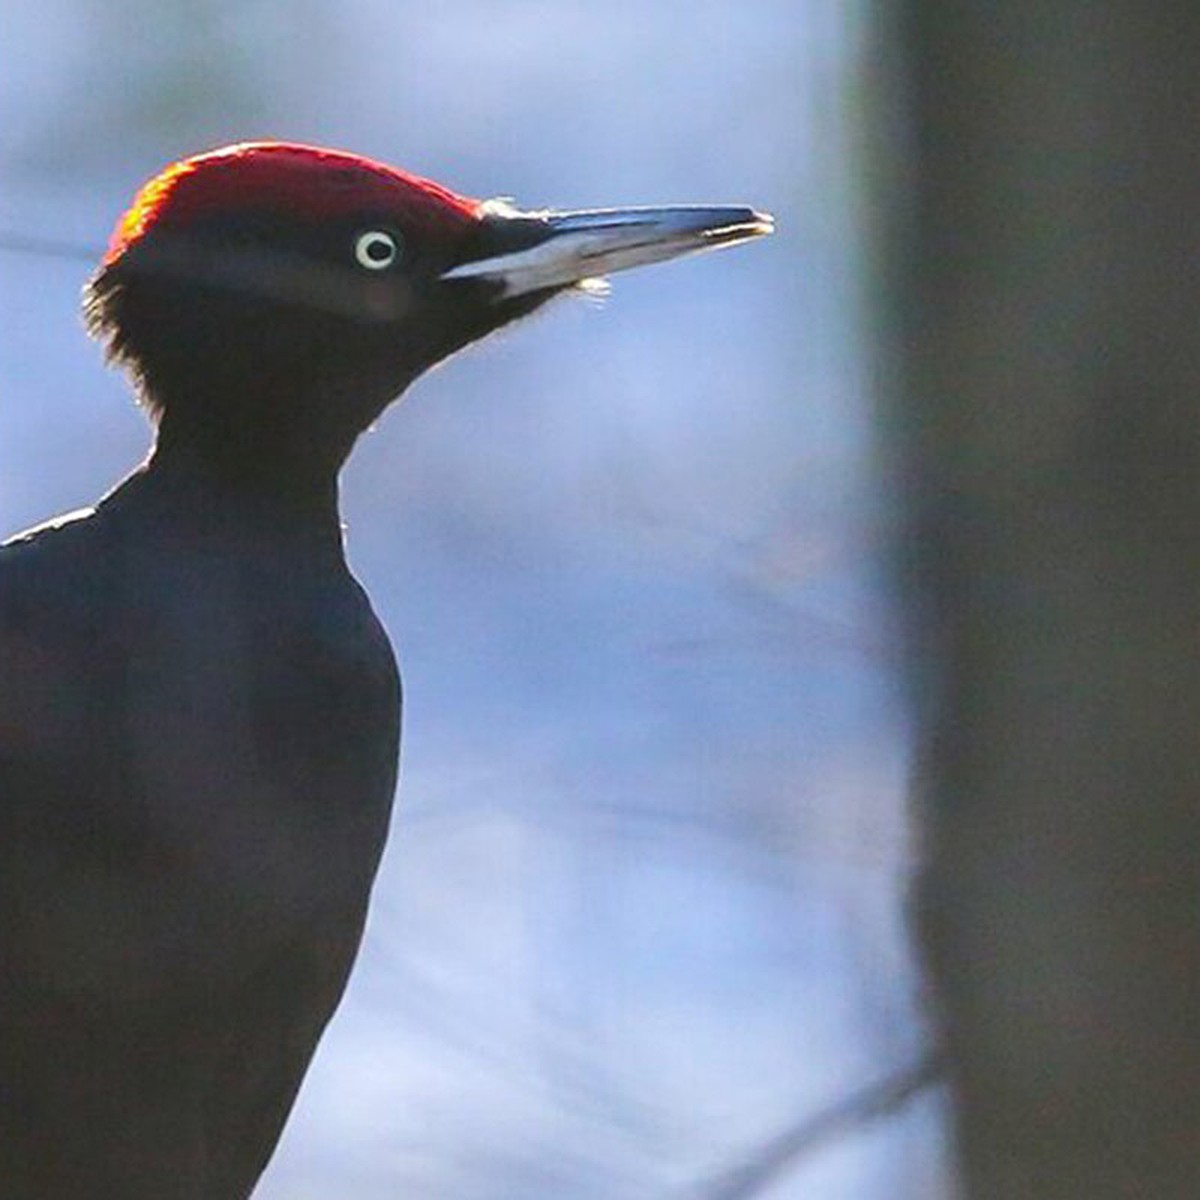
(26, 243)
(771, 1160)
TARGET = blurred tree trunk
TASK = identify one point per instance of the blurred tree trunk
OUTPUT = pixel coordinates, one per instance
(1047, 275)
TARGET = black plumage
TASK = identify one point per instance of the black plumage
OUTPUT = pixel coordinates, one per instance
(199, 710)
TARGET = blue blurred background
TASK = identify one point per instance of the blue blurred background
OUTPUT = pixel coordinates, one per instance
(642, 907)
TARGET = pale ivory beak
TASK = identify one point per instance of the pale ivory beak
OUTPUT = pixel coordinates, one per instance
(557, 250)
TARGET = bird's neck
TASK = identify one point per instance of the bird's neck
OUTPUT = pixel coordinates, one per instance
(243, 496)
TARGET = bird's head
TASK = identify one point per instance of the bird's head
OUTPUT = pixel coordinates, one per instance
(270, 298)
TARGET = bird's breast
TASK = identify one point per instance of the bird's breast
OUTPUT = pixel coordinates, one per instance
(232, 755)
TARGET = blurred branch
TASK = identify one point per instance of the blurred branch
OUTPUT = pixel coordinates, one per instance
(768, 1162)
(13, 242)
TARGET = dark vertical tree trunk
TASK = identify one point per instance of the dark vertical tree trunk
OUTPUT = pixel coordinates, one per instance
(1048, 287)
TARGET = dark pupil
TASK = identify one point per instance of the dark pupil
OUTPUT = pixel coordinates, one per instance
(378, 250)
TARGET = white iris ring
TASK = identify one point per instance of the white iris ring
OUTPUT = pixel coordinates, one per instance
(376, 249)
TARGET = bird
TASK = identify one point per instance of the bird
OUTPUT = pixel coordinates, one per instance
(200, 711)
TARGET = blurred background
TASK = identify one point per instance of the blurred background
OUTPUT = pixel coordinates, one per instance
(642, 912)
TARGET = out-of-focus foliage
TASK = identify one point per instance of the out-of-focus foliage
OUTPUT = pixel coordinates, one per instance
(641, 908)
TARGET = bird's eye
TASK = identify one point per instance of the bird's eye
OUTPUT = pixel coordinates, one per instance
(376, 249)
